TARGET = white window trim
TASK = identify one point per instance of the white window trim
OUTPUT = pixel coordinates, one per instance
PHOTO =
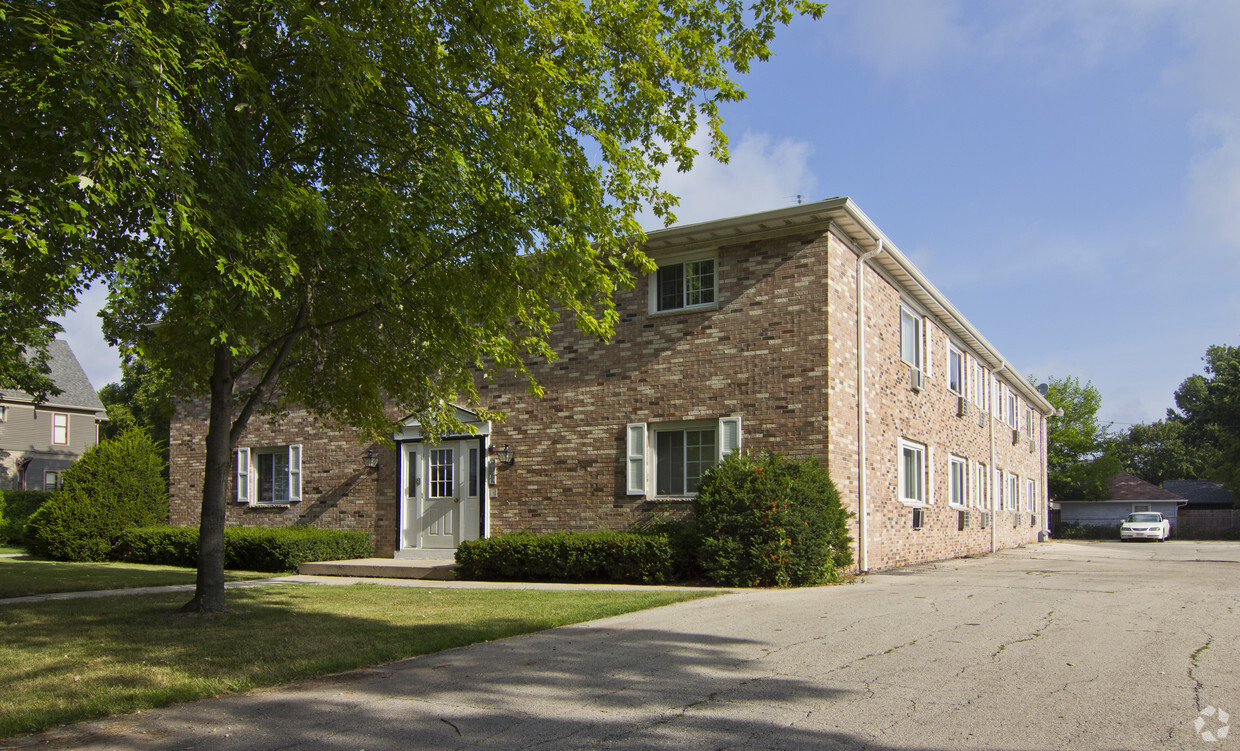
(55, 484)
(1140, 507)
(920, 449)
(953, 462)
(638, 440)
(964, 373)
(918, 336)
(1013, 491)
(1031, 490)
(1030, 424)
(928, 356)
(56, 416)
(1013, 410)
(653, 284)
(4, 413)
(247, 475)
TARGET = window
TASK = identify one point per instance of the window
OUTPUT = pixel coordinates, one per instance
(912, 472)
(685, 285)
(958, 477)
(4, 413)
(269, 476)
(1012, 407)
(60, 429)
(910, 337)
(676, 455)
(996, 398)
(1029, 422)
(979, 385)
(51, 480)
(980, 475)
(1136, 507)
(955, 370)
(1031, 496)
(1013, 492)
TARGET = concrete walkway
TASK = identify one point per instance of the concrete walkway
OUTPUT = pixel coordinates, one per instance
(1052, 646)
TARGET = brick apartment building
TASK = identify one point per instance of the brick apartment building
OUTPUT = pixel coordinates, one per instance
(746, 338)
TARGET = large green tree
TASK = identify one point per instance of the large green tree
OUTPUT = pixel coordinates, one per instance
(1208, 408)
(142, 399)
(1159, 451)
(89, 153)
(377, 201)
(1076, 442)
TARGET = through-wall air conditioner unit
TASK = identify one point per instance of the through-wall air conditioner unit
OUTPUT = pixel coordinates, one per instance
(1015, 436)
(962, 520)
(962, 406)
(917, 378)
(981, 418)
(1033, 446)
(1033, 520)
(985, 519)
(919, 518)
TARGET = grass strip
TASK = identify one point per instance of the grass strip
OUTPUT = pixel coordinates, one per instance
(22, 576)
(76, 660)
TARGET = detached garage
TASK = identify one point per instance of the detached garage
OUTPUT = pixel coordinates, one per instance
(1128, 494)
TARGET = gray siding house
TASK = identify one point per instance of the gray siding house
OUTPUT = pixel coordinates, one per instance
(1128, 494)
(39, 441)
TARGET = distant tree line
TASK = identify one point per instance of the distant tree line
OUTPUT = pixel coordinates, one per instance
(1198, 440)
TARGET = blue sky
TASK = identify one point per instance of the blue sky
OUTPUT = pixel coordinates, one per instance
(1067, 173)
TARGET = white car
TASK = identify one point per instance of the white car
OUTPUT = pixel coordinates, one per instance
(1145, 525)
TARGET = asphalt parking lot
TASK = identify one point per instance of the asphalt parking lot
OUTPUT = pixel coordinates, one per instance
(1052, 646)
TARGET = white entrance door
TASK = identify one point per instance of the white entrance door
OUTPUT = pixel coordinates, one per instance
(440, 486)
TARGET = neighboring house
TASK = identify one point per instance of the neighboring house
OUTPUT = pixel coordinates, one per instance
(1126, 494)
(1201, 494)
(1208, 509)
(39, 441)
(802, 330)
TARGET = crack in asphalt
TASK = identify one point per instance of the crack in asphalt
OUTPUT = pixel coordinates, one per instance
(1192, 670)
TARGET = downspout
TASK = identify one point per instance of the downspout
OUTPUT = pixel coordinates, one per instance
(863, 510)
(995, 493)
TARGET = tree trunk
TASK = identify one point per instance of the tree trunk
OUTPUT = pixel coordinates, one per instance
(209, 594)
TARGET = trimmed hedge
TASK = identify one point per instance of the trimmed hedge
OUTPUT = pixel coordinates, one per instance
(767, 521)
(1078, 531)
(117, 484)
(604, 556)
(245, 548)
(16, 508)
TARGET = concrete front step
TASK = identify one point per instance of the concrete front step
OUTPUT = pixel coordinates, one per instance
(382, 568)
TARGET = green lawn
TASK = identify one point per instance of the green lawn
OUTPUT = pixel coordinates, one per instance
(23, 576)
(4, 549)
(73, 660)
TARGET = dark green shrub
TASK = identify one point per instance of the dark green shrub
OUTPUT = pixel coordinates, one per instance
(245, 548)
(766, 521)
(1078, 531)
(567, 557)
(117, 484)
(16, 507)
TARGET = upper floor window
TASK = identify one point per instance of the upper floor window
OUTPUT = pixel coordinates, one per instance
(685, 285)
(955, 370)
(980, 382)
(1029, 424)
(1012, 413)
(60, 429)
(910, 337)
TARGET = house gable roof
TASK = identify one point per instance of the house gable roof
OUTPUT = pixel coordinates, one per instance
(67, 374)
(1202, 492)
(1127, 487)
(850, 222)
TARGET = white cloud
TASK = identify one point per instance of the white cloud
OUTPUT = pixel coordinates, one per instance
(762, 173)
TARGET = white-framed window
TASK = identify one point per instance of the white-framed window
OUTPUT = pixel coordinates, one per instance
(955, 370)
(1031, 496)
(910, 337)
(979, 479)
(958, 481)
(4, 413)
(686, 284)
(269, 476)
(1013, 491)
(996, 398)
(668, 460)
(912, 473)
(1030, 426)
(60, 429)
(996, 490)
(51, 480)
(1013, 409)
(980, 381)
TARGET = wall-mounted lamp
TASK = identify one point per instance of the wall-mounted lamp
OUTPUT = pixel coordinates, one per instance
(504, 455)
(372, 461)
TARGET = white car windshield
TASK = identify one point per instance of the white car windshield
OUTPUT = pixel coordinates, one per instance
(1144, 518)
